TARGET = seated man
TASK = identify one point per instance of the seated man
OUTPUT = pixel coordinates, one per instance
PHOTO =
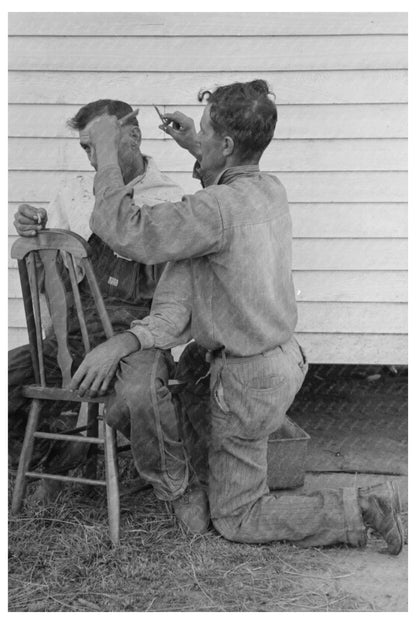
(141, 409)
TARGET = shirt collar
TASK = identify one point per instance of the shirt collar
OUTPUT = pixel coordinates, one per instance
(229, 174)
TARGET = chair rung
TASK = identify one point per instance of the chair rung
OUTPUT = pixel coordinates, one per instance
(45, 475)
(59, 394)
(67, 436)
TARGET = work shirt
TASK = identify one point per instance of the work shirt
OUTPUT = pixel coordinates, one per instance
(232, 288)
(127, 286)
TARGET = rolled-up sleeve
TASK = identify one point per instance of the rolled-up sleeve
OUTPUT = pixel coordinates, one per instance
(169, 321)
(168, 231)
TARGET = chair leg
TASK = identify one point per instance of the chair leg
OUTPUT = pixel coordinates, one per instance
(92, 430)
(25, 456)
(111, 476)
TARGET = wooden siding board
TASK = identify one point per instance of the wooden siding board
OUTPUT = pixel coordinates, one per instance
(334, 317)
(304, 121)
(315, 286)
(351, 286)
(338, 254)
(226, 54)
(175, 89)
(311, 187)
(352, 318)
(355, 348)
(17, 337)
(350, 254)
(325, 220)
(322, 348)
(349, 220)
(281, 155)
(203, 24)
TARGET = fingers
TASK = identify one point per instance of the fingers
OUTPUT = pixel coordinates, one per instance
(176, 121)
(89, 380)
(129, 116)
(168, 130)
(102, 382)
(107, 380)
(177, 117)
(26, 230)
(28, 220)
(27, 214)
(77, 383)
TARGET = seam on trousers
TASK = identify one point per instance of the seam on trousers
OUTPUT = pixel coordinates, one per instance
(354, 525)
(156, 411)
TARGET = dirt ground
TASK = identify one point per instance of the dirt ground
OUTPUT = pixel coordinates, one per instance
(371, 577)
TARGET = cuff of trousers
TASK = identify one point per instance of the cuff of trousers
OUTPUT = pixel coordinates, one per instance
(355, 530)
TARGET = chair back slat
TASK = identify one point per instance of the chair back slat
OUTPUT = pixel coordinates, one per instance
(30, 321)
(56, 297)
(77, 298)
(55, 250)
(34, 290)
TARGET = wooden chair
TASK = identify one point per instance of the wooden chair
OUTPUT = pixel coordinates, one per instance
(47, 248)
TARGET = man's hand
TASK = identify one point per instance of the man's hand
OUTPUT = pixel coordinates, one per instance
(183, 131)
(29, 220)
(99, 366)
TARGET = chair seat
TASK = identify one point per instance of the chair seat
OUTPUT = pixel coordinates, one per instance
(35, 391)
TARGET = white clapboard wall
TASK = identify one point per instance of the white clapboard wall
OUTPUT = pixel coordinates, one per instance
(340, 146)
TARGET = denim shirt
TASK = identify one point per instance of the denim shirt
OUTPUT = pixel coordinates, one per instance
(232, 287)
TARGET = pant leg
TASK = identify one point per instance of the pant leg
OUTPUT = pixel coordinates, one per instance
(249, 401)
(193, 369)
(143, 410)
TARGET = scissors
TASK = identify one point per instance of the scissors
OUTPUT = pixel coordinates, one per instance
(164, 122)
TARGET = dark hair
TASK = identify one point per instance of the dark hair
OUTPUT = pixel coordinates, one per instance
(94, 109)
(245, 111)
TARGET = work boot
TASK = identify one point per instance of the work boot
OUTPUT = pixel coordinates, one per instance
(192, 510)
(380, 507)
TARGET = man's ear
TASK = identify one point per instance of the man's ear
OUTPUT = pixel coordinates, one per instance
(136, 135)
(228, 146)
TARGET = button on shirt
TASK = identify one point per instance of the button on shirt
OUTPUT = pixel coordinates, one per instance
(232, 287)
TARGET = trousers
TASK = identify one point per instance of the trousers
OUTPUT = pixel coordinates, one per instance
(228, 422)
(141, 408)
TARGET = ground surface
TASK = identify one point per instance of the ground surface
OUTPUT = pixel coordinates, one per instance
(60, 558)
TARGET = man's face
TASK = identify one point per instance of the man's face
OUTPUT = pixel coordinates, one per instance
(126, 149)
(212, 157)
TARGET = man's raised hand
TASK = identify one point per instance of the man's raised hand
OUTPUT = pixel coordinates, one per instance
(182, 129)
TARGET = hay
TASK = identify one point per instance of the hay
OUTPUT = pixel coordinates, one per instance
(61, 559)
